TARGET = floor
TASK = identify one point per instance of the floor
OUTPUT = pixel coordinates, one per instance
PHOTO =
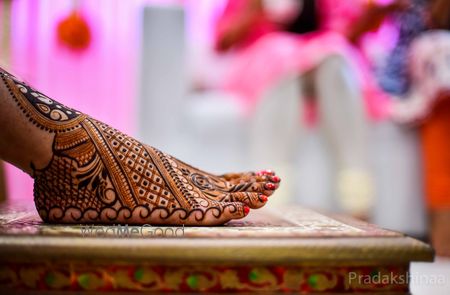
(431, 278)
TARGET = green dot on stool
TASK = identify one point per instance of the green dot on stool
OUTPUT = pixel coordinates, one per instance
(139, 274)
(192, 281)
(83, 281)
(253, 275)
(49, 279)
(312, 280)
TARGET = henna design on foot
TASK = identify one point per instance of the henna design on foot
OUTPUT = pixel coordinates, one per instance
(98, 174)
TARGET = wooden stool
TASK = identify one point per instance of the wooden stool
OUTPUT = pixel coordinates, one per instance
(286, 250)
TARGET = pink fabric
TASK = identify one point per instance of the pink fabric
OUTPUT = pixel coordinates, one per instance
(231, 14)
(275, 55)
(338, 15)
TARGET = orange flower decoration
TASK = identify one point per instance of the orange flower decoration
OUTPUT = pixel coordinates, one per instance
(73, 31)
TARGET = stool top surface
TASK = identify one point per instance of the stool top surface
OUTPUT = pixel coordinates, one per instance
(270, 235)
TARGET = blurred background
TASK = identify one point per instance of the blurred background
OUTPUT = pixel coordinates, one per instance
(346, 100)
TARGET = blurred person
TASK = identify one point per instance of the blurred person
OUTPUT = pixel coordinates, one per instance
(85, 171)
(317, 41)
(418, 75)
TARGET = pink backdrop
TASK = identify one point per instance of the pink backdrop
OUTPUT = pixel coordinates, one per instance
(100, 81)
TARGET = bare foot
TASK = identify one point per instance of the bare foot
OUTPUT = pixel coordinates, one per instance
(96, 174)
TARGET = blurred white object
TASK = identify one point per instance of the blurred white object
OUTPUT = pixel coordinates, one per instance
(274, 134)
(204, 129)
(430, 278)
(397, 163)
(356, 190)
(209, 130)
(394, 153)
(215, 137)
(164, 83)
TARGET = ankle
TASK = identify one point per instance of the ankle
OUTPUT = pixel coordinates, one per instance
(29, 122)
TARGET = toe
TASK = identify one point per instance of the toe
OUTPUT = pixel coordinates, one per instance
(235, 210)
(266, 172)
(226, 212)
(275, 179)
(266, 188)
(261, 175)
(253, 200)
(252, 178)
(259, 178)
(237, 176)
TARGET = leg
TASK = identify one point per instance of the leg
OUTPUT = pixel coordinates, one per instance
(436, 157)
(86, 171)
(342, 114)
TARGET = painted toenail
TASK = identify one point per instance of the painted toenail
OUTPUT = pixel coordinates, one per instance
(265, 172)
(246, 210)
(263, 198)
(270, 186)
(275, 179)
